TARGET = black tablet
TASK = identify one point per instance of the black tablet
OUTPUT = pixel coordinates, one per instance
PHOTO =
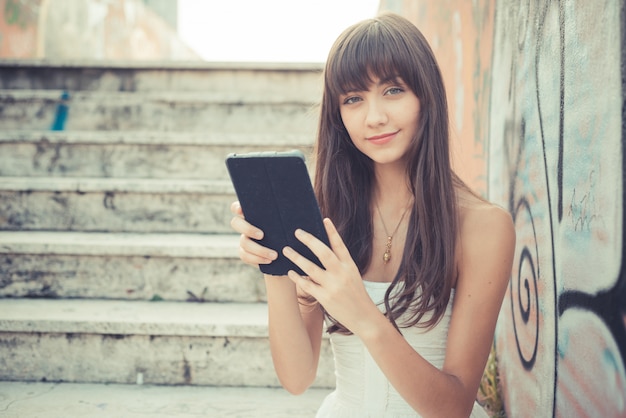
(276, 195)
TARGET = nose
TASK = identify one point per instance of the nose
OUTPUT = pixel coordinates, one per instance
(376, 114)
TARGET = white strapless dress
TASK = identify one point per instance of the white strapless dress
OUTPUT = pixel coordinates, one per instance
(362, 390)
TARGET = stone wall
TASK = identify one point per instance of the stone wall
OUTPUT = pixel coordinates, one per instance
(87, 29)
(547, 117)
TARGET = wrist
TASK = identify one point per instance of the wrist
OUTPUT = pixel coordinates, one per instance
(372, 327)
(279, 284)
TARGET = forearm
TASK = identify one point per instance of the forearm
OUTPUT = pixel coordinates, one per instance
(430, 391)
(295, 335)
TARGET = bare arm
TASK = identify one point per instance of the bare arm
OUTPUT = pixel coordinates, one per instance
(295, 329)
(485, 265)
(295, 335)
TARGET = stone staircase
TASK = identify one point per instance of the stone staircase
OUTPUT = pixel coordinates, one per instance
(117, 262)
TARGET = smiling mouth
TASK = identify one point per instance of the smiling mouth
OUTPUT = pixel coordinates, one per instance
(382, 139)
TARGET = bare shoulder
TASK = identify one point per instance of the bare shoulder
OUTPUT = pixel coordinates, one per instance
(486, 236)
(482, 219)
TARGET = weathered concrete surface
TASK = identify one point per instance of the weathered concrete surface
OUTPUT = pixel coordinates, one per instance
(174, 267)
(284, 81)
(52, 400)
(116, 205)
(161, 111)
(156, 155)
(130, 278)
(156, 342)
(118, 358)
(128, 201)
(136, 318)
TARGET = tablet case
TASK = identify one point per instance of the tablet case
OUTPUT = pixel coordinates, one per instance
(276, 195)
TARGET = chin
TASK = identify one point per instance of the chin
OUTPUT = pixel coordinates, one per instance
(387, 159)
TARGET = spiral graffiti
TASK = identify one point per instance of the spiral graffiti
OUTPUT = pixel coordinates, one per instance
(523, 291)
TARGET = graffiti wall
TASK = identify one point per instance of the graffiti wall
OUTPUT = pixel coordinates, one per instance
(549, 143)
(556, 161)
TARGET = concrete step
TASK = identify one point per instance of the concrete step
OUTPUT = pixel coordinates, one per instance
(133, 154)
(171, 267)
(115, 205)
(170, 343)
(156, 111)
(56, 400)
(292, 81)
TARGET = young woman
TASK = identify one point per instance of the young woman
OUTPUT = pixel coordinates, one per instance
(418, 264)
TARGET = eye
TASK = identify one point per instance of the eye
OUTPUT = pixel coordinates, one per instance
(394, 90)
(351, 99)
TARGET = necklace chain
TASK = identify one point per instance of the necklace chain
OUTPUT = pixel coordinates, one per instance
(387, 254)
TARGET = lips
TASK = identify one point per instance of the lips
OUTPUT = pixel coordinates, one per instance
(382, 139)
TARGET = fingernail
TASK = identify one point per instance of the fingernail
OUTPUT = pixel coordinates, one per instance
(299, 233)
(272, 255)
(258, 235)
(287, 251)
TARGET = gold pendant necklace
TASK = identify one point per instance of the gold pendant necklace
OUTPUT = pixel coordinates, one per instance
(387, 254)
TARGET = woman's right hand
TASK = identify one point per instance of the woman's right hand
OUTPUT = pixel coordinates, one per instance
(250, 251)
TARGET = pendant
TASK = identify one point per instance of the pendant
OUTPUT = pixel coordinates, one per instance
(387, 255)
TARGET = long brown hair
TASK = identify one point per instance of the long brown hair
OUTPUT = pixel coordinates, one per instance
(391, 47)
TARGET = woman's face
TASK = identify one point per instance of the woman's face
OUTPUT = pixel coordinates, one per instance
(382, 120)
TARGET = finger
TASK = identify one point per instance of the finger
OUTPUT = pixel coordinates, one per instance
(253, 260)
(242, 226)
(254, 253)
(336, 242)
(311, 269)
(317, 247)
(235, 208)
(308, 286)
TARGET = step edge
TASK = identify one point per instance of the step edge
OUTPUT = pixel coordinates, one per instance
(218, 246)
(111, 184)
(120, 98)
(162, 65)
(157, 138)
(114, 317)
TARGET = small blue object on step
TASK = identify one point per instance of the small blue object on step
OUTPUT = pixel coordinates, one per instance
(60, 116)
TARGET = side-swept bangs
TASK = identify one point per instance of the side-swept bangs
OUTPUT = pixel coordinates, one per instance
(369, 50)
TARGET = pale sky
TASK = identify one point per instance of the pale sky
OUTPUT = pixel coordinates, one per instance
(267, 30)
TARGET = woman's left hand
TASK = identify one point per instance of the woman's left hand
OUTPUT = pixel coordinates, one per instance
(338, 287)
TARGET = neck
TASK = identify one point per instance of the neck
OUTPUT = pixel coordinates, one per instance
(391, 188)
(389, 207)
